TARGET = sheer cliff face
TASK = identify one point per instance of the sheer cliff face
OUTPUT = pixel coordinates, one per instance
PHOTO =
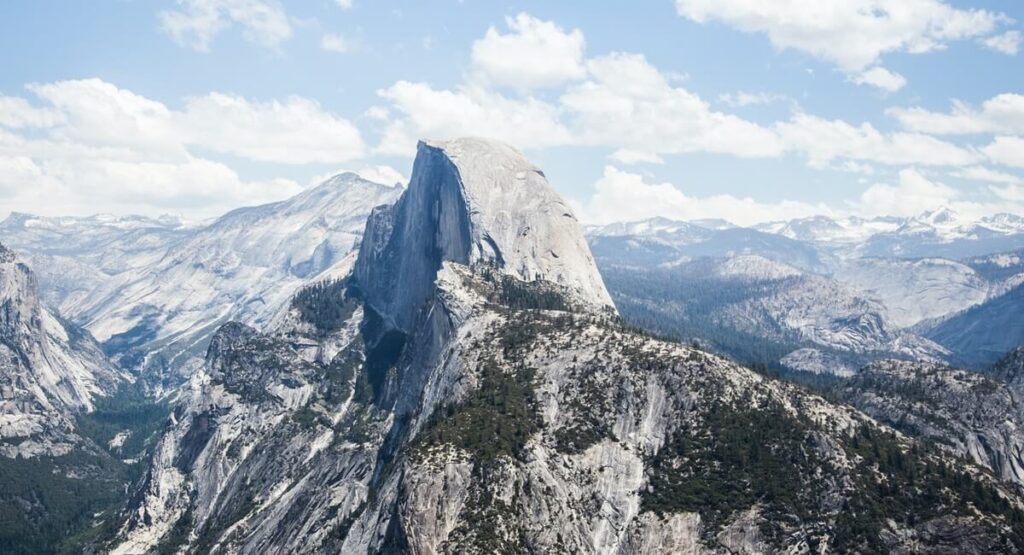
(481, 204)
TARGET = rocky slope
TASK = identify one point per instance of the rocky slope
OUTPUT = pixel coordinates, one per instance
(164, 291)
(49, 369)
(980, 334)
(489, 391)
(762, 311)
(55, 383)
(917, 290)
(976, 415)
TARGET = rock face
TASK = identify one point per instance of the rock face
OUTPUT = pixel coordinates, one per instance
(477, 203)
(49, 369)
(975, 415)
(468, 390)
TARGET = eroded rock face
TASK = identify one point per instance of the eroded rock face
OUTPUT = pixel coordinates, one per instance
(478, 203)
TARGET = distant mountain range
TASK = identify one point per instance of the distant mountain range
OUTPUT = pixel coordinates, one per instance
(933, 287)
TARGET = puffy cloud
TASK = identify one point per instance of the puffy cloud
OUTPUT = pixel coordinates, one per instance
(627, 103)
(1010, 193)
(197, 22)
(882, 78)
(1006, 150)
(63, 186)
(1008, 43)
(852, 34)
(424, 112)
(94, 146)
(624, 196)
(334, 42)
(295, 131)
(913, 194)
(626, 156)
(532, 54)
(19, 113)
(981, 173)
(1003, 113)
(624, 103)
(97, 113)
(824, 141)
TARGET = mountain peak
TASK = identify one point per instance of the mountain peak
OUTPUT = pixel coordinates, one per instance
(942, 216)
(479, 203)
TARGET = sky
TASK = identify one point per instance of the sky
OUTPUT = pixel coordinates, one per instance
(747, 110)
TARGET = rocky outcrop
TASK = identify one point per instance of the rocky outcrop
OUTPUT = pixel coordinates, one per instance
(976, 415)
(480, 204)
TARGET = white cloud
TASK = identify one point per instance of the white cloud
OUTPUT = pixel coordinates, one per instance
(624, 103)
(981, 173)
(824, 141)
(76, 186)
(425, 112)
(344, 4)
(295, 131)
(742, 98)
(263, 22)
(533, 54)
(334, 42)
(97, 113)
(627, 103)
(882, 78)
(99, 147)
(1003, 113)
(913, 194)
(1008, 43)
(1006, 150)
(385, 175)
(852, 34)
(626, 156)
(622, 196)
(18, 113)
(1010, 193)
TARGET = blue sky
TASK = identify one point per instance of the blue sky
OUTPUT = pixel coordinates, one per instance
(740, 109)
